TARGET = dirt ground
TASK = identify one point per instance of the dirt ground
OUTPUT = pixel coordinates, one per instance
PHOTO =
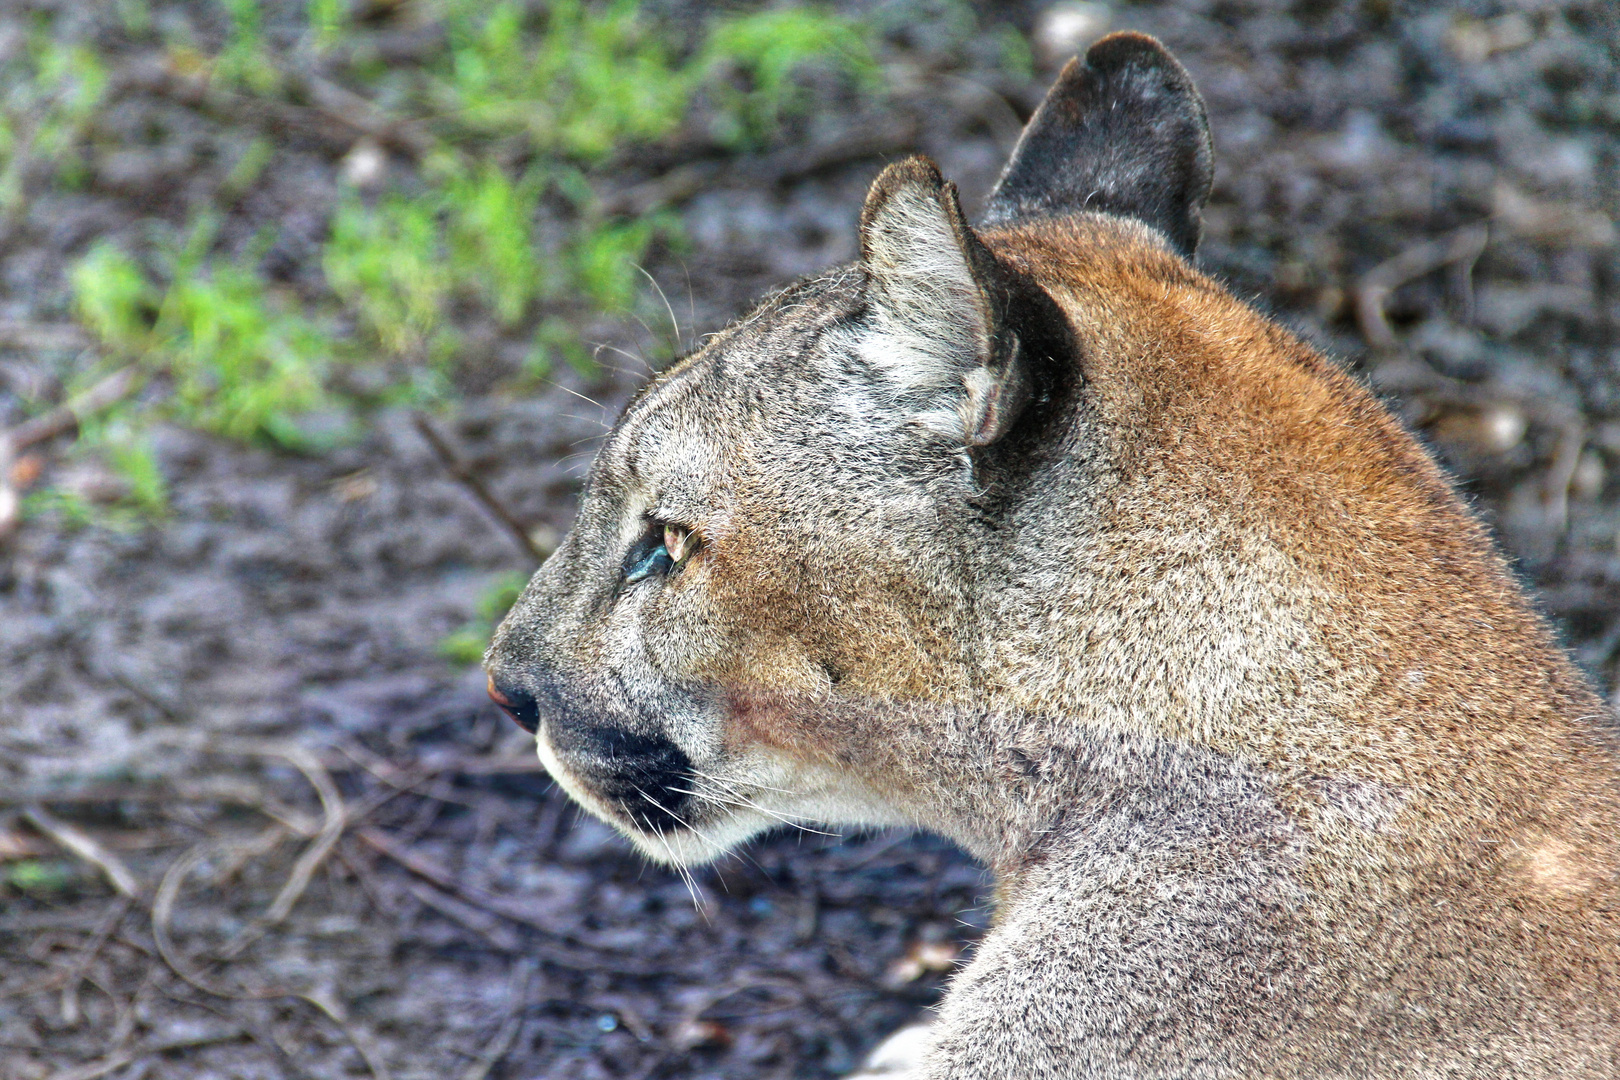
(334, 858)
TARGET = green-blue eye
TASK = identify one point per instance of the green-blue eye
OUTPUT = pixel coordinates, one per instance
(647, 560)
(662, 549)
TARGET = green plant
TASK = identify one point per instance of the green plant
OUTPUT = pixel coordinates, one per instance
(491, 243)
(466, 644)
(751, 62)
(52, 91)
(578, 81)
(521, 110)
(41, 876)
(401, 261)
(328, 19)
(246, 60)
(242, 362)
(387, 262)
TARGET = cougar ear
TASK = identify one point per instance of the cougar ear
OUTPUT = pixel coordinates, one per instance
(936, 302)
(1125, 133)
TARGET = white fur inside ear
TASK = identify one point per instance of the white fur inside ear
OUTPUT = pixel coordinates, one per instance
(929, 318)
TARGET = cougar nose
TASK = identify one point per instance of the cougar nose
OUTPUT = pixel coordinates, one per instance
(517, 704)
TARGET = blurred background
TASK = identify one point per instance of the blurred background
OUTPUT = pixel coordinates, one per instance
(312, 313)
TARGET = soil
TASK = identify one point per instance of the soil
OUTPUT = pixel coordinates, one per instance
(342, 861)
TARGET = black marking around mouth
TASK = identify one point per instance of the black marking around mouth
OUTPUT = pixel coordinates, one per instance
(644, 776)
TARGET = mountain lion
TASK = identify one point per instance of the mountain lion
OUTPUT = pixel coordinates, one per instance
(1030, 534)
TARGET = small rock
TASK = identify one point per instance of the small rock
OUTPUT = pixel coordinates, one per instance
(920, 959)
(1587, 481)
(366, 165)
(702, 1034)
(1495, 429)
(1065, 29)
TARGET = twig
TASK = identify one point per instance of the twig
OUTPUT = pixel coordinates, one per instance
(350, 109)
(168, 891)
(113, 1062)
(70, 990)
(497, 905)
(685, 181)
(41, 336)
(457, 468)
(333, 1010)
(335, 820)
(58, 421)
(67, 416)
(1555, 492)
(517, 993)
(1462, 245)
(482, 923)
(86, 848)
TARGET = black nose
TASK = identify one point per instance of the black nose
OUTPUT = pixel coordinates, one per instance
(517, 704)
(646, 775)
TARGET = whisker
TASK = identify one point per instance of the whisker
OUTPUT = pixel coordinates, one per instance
(673, 322)
(740, 801)
(685, 875)
(604, 346)
(763, 787)
(576, 393)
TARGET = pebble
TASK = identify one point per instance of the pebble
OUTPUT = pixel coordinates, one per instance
(1065, 29)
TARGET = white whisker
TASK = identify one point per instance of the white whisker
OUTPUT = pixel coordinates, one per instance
(673, 322)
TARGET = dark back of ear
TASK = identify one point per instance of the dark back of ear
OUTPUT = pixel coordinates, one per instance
(1122, 132)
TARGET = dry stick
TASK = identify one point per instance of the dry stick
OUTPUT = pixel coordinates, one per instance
(685, 181)
(1371, 292)
(599, 960)
(67, 416)
(113, 1062)
(86, 848)
(517, 993)
(59, 421)
(334, 821)
(244, 795)
(70, 991)
(465, 476)
(168, 891)
(163, 913)
(1561, 473)
(487, 926)
(41, 337)
(363, 1044)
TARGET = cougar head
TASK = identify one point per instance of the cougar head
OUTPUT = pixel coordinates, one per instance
(807, 510)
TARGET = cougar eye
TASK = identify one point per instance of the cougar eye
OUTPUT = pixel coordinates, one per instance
(664, 547)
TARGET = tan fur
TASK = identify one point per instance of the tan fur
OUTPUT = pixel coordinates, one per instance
(1279, 772)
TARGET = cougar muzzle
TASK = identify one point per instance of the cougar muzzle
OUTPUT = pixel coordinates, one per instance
(630, 774)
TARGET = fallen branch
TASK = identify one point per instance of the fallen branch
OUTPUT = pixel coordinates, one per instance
(517, 992)
(117, 1060)
(335, 819)
(87, 848)
(59, 421)
(75, 974)
(1373, 290)
(498, 905)
(767, 170)
(67, 417)
(42, 337)
(168, 892)
(468, 479)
